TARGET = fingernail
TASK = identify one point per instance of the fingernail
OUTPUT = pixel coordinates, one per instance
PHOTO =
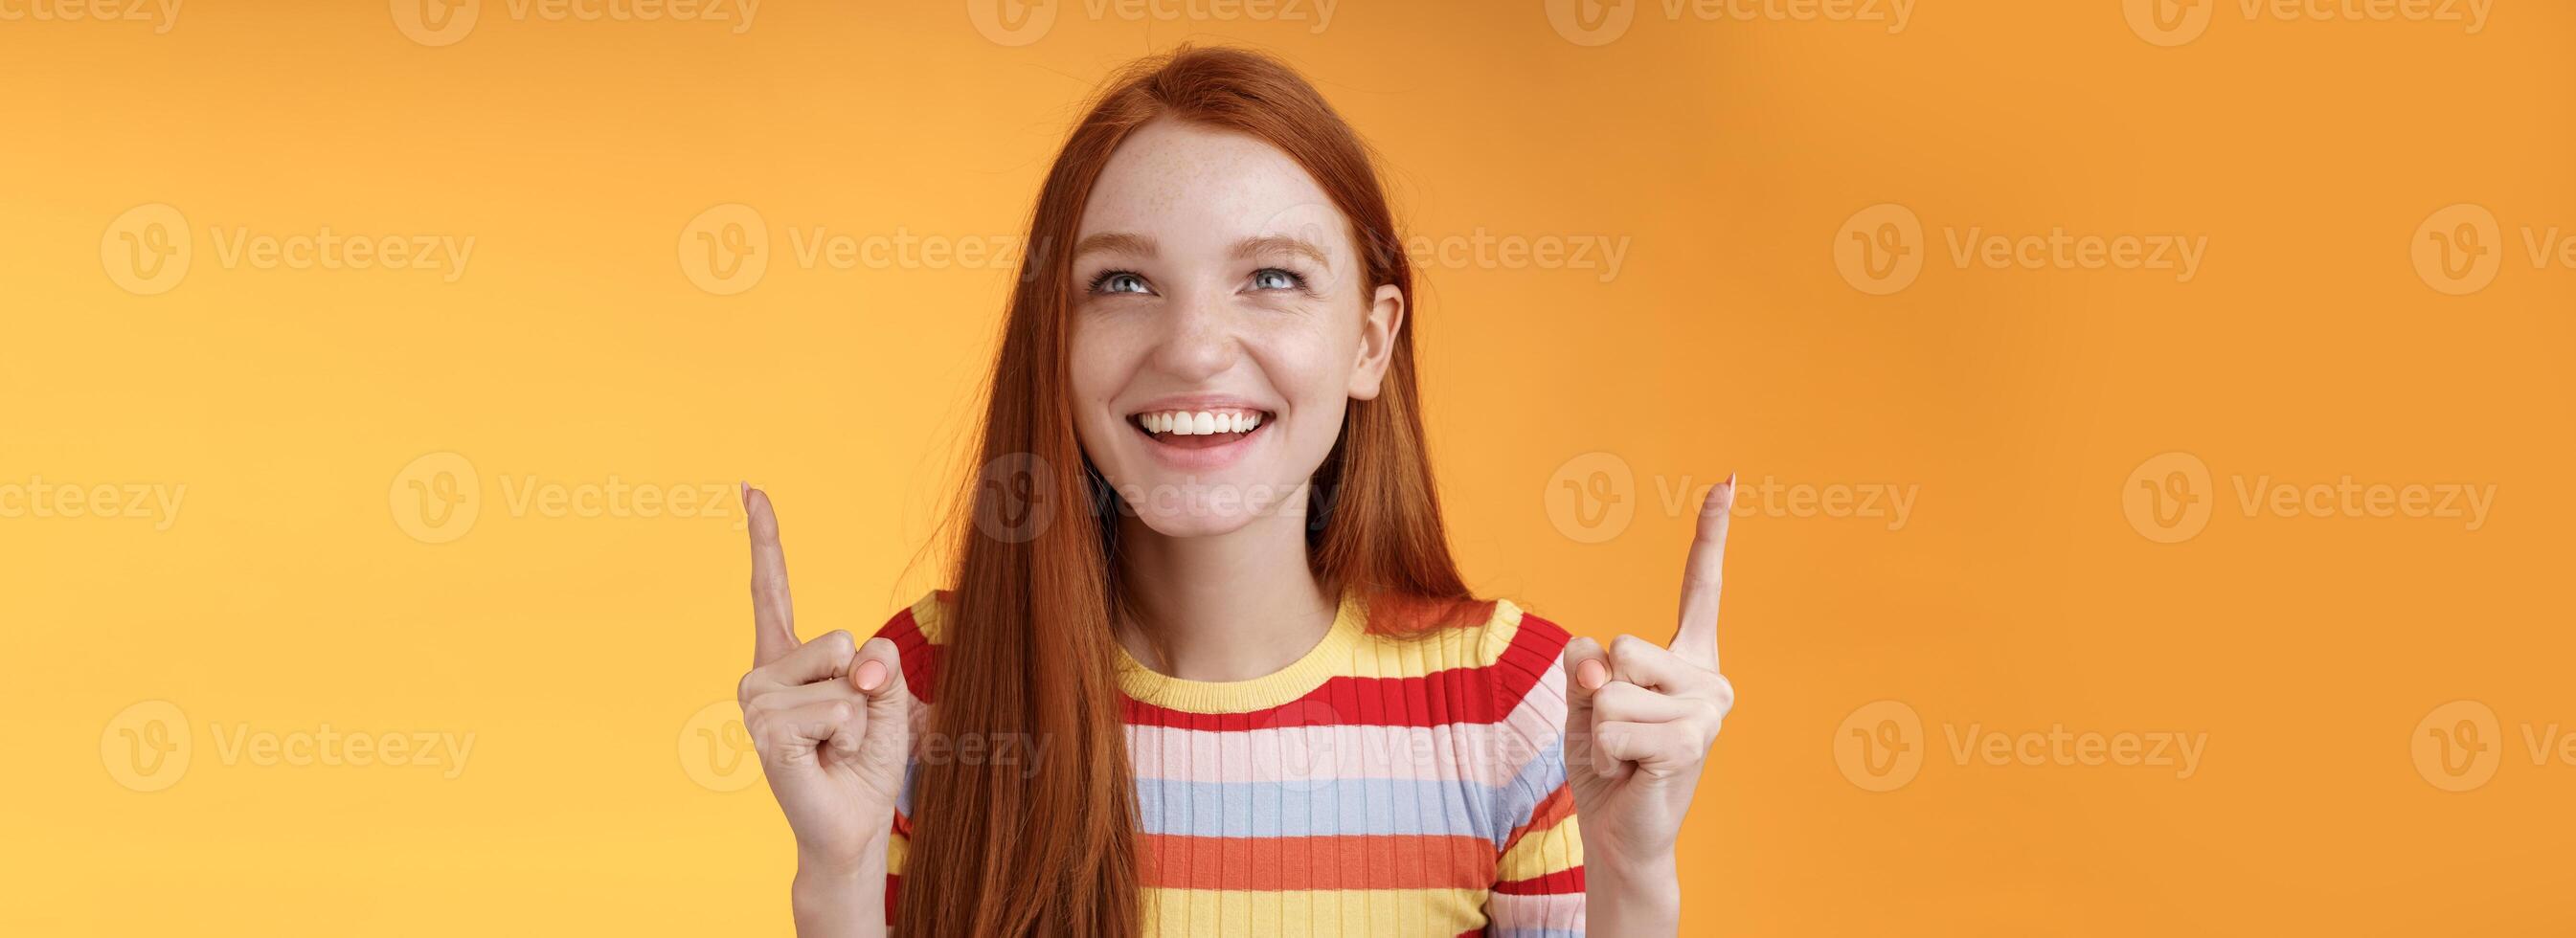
(1591, 674)
(870, 674)
(1730, 481)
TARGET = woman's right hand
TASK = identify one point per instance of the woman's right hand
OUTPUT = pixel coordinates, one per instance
(831, 722)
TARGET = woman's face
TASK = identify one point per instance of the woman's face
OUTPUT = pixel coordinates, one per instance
(1222, 322)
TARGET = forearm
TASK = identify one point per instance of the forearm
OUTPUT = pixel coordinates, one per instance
(1631, 897)
(841, 901)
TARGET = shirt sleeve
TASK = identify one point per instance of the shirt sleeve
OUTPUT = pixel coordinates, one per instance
(915, 632)
(1538, 880)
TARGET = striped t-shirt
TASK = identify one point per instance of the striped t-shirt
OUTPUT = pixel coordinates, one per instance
(1379, 785)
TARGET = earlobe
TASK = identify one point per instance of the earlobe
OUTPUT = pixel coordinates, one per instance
(1378, 330)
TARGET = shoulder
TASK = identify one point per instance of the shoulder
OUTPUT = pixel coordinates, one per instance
(918, 631)
(1501, 656)
(1497, 635)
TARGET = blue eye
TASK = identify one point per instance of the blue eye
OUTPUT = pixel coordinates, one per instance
(1273, 278)
(1119, 281)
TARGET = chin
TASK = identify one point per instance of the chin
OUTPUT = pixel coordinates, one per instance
(1183, 505)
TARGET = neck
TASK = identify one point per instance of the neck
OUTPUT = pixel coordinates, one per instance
(1225, 607)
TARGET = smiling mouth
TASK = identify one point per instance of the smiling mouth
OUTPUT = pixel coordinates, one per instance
(1200, 429)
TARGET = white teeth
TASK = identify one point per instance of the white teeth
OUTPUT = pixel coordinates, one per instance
(1199, 422)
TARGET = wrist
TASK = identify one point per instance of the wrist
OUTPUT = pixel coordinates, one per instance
(1641, 893)
(839, 891)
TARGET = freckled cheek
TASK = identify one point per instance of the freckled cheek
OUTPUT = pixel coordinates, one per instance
(1307, 367)
(1103, 360)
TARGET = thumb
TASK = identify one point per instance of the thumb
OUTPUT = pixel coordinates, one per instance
(877, 671)
(1587, 667)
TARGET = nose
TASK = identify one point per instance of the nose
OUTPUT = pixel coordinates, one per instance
(1198, 340)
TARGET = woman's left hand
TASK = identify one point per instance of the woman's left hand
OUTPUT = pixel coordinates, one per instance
(1640, 718)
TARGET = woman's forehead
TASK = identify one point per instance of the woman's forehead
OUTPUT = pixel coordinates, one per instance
(1186, 184)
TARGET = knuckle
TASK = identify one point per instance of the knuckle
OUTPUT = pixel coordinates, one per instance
(839, 711)
(1632, 652)
(838, 643)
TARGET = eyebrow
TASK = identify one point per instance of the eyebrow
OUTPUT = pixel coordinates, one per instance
(1122, 242)
(1249, 247)
(1115, 241)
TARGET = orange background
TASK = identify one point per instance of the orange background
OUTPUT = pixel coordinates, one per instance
(292, 588)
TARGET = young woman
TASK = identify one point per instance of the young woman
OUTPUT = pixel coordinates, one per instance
(1208, 666)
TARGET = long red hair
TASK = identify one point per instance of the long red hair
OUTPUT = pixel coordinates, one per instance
(1029, 652)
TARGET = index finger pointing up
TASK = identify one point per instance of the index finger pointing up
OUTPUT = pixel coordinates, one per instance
(773, 616)
(1703, 575)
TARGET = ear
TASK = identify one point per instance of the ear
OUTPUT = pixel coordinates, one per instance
(1377, 342)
